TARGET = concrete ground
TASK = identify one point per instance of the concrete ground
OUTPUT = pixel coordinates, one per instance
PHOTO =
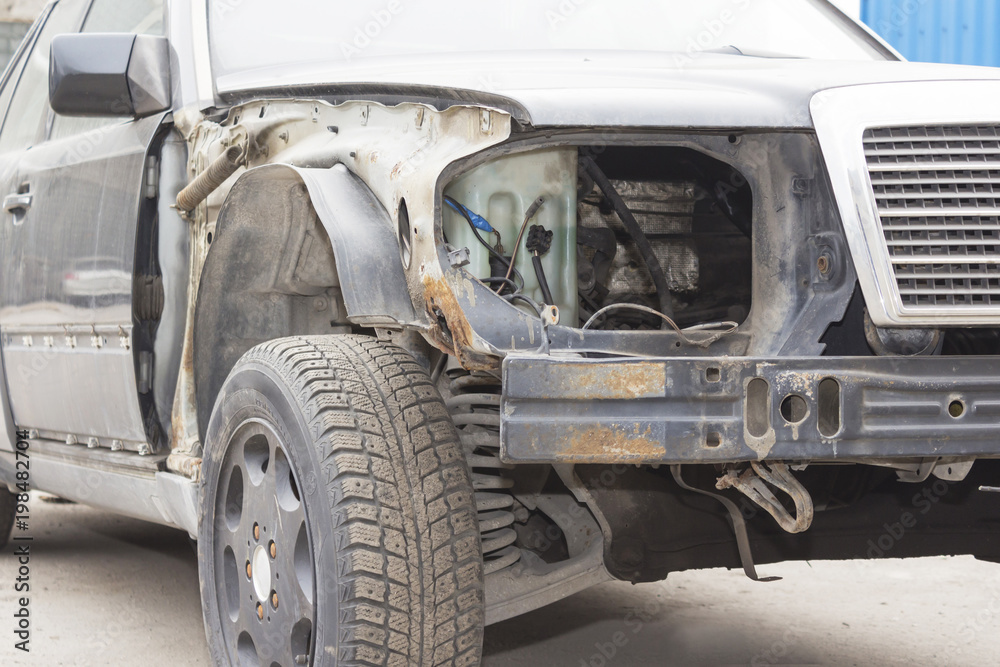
(108, 590)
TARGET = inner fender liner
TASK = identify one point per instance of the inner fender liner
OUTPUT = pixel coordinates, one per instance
(288, 243)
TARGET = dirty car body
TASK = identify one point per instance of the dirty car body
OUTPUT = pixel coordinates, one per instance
(718, 294)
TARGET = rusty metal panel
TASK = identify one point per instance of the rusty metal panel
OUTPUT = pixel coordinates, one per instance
(685, 410)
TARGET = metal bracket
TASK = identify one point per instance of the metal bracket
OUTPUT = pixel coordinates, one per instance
(915, 473)
(751, 483)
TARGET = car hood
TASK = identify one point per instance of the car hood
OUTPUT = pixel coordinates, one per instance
(615, 90)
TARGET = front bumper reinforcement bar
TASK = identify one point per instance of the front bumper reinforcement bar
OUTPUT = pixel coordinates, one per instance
(704, 410)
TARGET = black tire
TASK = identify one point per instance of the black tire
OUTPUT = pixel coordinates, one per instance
(385, 531)
(8, 509)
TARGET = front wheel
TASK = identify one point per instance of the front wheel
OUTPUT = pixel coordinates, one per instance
(338, 518)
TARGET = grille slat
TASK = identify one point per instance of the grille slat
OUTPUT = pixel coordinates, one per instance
(934, 243)
(883, 152)
(990, 165)
(948, 276)
(938, 212)
(994, 291)
(922, 259)
(882, 180)
(907, 227)
(885, 197)
(937, 192)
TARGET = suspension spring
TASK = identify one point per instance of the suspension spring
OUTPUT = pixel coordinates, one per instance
(475, 409)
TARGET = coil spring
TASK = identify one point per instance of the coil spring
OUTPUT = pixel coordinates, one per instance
(475, 409)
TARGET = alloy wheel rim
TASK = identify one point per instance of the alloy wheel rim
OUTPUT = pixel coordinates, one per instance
(265, 579)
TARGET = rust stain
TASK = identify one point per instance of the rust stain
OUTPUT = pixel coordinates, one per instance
(602, 444)
(615, 381)
(441, 302)
(185, 464)
(458, 338)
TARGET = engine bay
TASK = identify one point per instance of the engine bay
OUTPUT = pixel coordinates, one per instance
(629, 233)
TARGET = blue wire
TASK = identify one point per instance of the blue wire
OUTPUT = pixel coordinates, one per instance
(478, 221)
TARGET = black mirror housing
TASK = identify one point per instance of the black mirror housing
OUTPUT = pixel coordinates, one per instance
(112, 74)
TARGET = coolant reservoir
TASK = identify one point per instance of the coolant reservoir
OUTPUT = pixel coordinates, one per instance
(502, 191)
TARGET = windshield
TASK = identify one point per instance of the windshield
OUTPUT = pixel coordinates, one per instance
(254, 36)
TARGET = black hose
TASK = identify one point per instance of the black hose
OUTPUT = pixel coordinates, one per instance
(536, 261)
(634, 231)
(510, 284)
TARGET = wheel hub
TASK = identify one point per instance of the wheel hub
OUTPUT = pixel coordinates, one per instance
(261, 573)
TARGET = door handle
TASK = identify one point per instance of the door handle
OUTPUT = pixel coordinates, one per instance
(17, 202)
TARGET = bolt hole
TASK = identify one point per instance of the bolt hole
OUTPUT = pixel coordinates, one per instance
(210, 238)
(713, 375)
(677, 344)
(794, 409)
(713, 440)
(956, 409)
(733, 139)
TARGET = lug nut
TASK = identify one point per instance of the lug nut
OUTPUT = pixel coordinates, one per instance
(260, 611)
(249, 571)
(274, 550)
(256, 532)
(274, 599)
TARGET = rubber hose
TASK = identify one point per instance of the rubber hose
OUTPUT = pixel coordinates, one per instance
(635, 232)
(536, 261)
(209, 180)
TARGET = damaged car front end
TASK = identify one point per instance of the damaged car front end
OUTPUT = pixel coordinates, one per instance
(514, 309)
(740, 277)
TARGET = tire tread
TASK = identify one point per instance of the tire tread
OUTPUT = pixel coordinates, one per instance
(405, 524)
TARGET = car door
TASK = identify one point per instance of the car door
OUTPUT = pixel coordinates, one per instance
(73, 210)
(8, 166)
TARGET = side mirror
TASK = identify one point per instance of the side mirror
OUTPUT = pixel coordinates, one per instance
(109, 75)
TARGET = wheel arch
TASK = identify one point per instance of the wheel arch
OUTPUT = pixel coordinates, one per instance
(294, 252)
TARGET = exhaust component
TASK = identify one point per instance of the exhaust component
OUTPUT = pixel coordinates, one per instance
(751, 483)
(739, 525)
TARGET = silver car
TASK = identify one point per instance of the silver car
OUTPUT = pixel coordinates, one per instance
(423, 316)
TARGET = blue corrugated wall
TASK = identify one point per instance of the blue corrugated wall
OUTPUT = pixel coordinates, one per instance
(944, 31)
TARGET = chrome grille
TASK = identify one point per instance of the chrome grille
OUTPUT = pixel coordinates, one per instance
(937, 189)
